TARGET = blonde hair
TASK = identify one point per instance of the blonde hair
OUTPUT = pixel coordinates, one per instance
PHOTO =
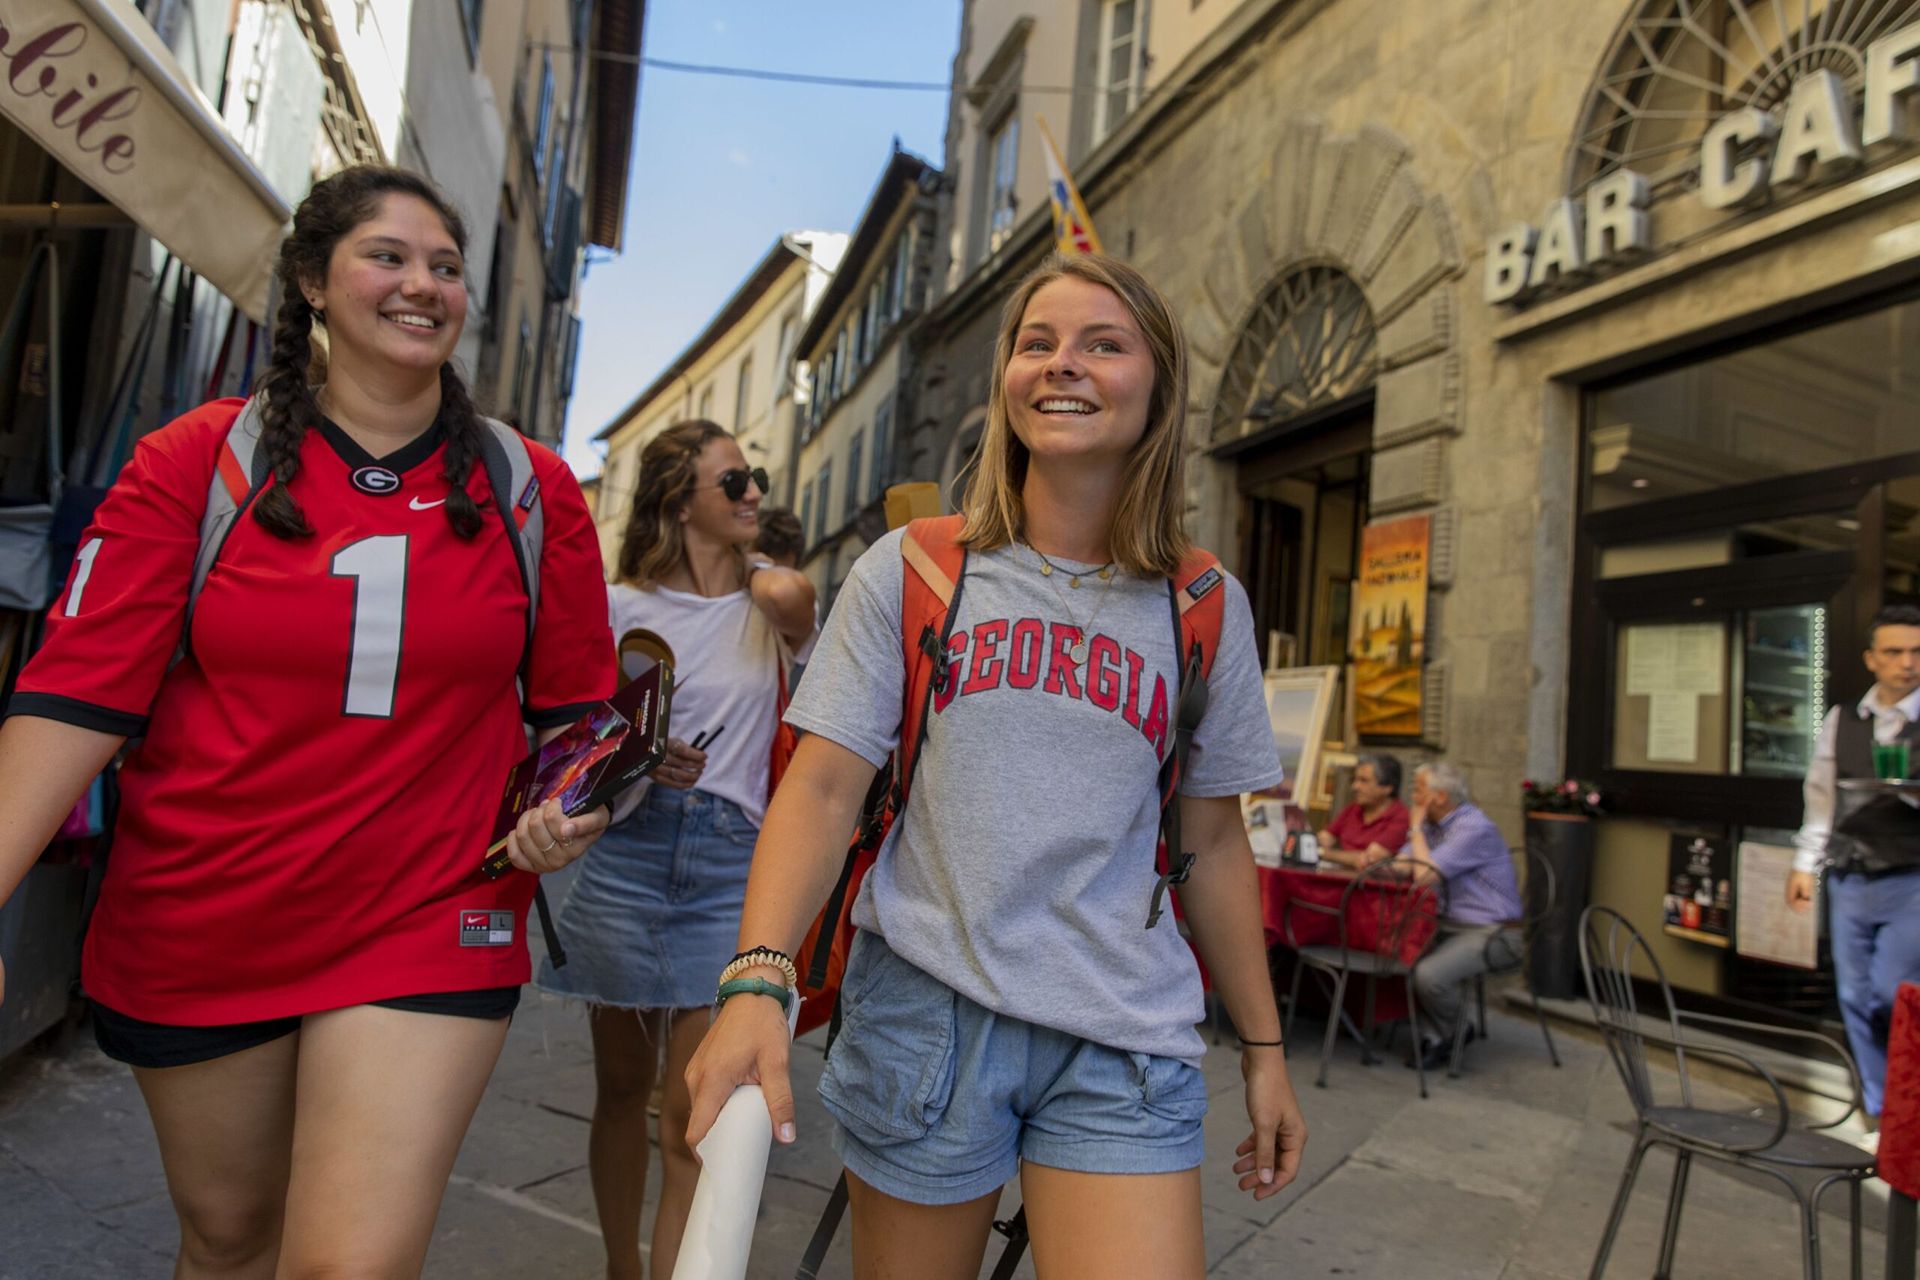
(1148, 535)
(653, 544)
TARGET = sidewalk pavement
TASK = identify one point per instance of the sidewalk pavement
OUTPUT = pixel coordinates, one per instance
(1507, 1172)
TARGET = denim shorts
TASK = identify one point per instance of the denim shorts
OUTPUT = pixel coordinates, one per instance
(654, 914)
(937, 1099)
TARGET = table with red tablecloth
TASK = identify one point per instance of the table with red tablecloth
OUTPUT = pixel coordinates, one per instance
(1900, 1130)
(1324, 886)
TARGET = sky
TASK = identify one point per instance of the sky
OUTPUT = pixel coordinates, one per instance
(723, 166)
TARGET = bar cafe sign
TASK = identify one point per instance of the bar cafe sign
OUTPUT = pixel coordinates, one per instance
(1744, 155)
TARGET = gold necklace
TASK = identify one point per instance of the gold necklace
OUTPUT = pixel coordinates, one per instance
(1048, 568)
(1077, 651)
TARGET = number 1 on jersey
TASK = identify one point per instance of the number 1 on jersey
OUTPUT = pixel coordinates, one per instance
(378, 567)
(84, 558)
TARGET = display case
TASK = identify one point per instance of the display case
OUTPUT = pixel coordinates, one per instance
(1783, 678)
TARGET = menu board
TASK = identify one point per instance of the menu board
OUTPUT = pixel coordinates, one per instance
(1766, 928)
(1670, 697)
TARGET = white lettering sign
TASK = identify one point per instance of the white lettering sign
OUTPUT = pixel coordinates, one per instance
(1893, 89)
(1743, 155)
(1617, 223)
(1730, 176)
(1508, 256)
(1818, 137)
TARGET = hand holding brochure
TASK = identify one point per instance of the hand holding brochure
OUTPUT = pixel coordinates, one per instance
(598, 756)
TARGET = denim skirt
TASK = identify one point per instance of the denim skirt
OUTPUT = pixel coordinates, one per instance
(652, 917)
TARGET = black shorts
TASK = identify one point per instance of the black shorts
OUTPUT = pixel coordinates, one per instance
(140, 1043)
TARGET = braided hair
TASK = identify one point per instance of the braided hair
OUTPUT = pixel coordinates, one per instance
(334, 207)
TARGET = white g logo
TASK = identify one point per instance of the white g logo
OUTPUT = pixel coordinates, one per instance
(375, 480)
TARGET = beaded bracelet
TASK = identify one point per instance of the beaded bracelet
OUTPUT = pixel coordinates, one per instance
(757, 956)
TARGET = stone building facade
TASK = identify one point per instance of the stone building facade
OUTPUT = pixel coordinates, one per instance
(1263, 156)
(739, 371)
(1337, 195)
(856, 341)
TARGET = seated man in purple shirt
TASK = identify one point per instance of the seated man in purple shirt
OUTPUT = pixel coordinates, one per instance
(1453, 840)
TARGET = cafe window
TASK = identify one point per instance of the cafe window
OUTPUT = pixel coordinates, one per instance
(1820, 398)
(1747, 511)
(1743, 694)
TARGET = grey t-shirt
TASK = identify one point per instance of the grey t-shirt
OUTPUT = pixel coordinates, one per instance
(1021, 871)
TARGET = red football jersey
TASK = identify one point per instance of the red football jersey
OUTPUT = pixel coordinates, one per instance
(302, 826)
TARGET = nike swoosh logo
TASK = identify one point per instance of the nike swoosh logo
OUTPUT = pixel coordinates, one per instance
(418, 505)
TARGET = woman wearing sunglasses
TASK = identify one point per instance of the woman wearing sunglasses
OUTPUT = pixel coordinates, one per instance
(653, 915)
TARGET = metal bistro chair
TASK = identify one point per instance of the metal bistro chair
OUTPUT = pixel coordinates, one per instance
(1399, 913)
(1772, 1145)
(1508, 952)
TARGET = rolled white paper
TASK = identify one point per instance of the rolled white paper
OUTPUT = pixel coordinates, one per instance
(726, 1203)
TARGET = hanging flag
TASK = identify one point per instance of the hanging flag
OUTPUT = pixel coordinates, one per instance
(1072, 228)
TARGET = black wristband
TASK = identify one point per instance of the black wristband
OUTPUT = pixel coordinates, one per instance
(768, 951)
(1262, 1044)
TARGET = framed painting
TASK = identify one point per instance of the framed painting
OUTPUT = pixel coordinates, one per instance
(1299, 700)
(1333, 779)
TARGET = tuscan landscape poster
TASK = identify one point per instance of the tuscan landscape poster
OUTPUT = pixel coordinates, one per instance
(1389, 627)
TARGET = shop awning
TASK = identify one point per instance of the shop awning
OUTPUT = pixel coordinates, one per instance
(91, 82)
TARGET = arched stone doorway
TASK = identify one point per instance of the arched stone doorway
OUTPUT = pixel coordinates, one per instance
(1326, 374)
(1295, 413)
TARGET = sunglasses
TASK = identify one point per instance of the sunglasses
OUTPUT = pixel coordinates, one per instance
(734, 483)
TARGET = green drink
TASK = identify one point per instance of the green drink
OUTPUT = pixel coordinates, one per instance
(1890, 760)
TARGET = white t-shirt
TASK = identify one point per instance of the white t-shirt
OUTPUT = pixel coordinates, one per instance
(728, 678)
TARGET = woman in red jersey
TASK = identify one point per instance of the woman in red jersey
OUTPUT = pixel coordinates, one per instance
(294, 948)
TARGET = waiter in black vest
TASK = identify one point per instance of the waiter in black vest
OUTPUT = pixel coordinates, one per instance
(1869, 842)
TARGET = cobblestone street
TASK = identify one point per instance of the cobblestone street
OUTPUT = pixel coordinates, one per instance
(1506, 1172)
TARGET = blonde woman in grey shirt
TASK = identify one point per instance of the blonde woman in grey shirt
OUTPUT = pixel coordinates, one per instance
(1005, 1012)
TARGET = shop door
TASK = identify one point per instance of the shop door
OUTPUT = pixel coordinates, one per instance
(1779, 579)
(1275, 533)
(1303, 504)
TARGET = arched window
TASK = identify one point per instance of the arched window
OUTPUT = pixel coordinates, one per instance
(1309, 343)
(1678, 65)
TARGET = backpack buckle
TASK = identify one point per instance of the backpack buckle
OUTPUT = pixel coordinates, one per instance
(930, 645)
(1177, 872)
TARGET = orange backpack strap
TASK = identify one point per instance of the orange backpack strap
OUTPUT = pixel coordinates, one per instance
(935, 565)
(1200, 605)
(1198, 600)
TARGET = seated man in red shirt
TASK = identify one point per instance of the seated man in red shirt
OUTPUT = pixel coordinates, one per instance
(1374, 826)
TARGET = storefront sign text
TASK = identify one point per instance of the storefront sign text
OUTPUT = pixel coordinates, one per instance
(33, 69)
(1743, 156)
